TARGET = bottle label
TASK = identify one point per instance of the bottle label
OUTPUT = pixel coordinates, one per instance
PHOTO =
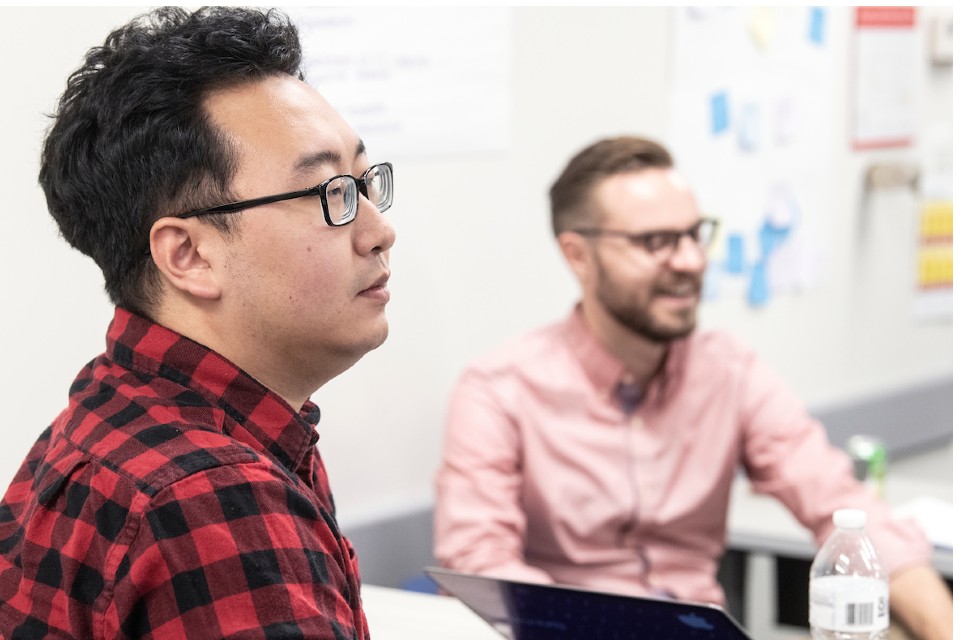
(849, 603)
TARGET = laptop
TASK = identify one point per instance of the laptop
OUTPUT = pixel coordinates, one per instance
(528, 611)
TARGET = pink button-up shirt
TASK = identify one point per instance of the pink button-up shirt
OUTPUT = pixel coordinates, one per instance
(545, 477)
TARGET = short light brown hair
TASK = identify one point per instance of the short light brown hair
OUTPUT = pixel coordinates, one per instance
(570, 194)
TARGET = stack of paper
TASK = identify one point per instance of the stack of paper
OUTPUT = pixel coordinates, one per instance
(934, 515)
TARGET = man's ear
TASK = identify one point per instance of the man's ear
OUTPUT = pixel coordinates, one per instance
(186, 252)
(574, 248)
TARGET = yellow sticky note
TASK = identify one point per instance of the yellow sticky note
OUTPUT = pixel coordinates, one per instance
(936, 220)
(761, 26)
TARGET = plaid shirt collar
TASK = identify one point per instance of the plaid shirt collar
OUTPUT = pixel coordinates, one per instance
(264, 420)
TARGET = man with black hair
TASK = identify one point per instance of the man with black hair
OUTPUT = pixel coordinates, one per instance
(239, 226)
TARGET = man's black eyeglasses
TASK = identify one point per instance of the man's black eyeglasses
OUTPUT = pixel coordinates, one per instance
(663, 243)
(339, 196)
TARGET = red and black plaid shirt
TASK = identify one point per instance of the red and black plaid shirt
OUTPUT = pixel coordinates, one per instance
(175, 496)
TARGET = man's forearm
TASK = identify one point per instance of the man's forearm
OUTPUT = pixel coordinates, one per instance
(921, 602)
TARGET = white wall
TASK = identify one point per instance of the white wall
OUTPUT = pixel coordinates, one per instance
(468, 271)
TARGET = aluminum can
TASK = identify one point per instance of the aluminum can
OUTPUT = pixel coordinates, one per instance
(869, 457)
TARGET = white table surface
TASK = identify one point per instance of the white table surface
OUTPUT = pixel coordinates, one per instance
(394, 614)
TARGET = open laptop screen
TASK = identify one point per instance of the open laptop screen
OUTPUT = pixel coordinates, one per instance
(526, 611)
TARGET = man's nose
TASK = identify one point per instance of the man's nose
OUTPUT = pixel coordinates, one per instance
(376, 234)
(688, 255)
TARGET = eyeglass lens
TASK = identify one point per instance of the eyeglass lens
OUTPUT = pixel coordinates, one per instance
(378, 186)
(661, 242)
(341, 198)
(342, 195)
(703, 233)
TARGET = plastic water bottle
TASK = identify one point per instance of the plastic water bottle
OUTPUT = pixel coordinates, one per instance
(849, 589)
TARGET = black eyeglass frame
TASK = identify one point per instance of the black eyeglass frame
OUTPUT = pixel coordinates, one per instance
(642, 239)
(319, 190)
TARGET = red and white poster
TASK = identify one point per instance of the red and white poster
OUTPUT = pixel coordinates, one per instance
(887, 65)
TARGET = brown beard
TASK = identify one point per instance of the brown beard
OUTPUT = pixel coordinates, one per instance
(640, 321)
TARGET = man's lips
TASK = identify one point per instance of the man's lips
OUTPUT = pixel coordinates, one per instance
(378, 289)
(679, 292)
(679, 288)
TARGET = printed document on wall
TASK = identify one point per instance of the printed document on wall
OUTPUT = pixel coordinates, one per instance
(887, 64)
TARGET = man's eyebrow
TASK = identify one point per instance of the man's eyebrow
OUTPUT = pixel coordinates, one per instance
(307, 163)
(314, 160)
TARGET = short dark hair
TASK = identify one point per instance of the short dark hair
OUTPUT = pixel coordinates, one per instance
(570, 194)
(130, 140)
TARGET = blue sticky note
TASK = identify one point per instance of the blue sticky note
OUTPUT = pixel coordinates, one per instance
(748, 131)
(710, 290)
(818, 18)
(758, 294)
(719, 113)
(771, 237)
(735, 262)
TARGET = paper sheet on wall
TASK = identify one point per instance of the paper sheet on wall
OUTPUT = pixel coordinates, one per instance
(413, 81)
(886, 72)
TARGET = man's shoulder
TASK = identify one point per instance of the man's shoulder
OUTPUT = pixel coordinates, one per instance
(718, 344)
(152, 455)
(149, 433)
(716, 353)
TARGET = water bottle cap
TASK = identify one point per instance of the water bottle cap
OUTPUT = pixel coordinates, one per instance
(850, 518)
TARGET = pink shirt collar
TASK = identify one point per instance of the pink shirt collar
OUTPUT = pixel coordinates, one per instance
(605, 370)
